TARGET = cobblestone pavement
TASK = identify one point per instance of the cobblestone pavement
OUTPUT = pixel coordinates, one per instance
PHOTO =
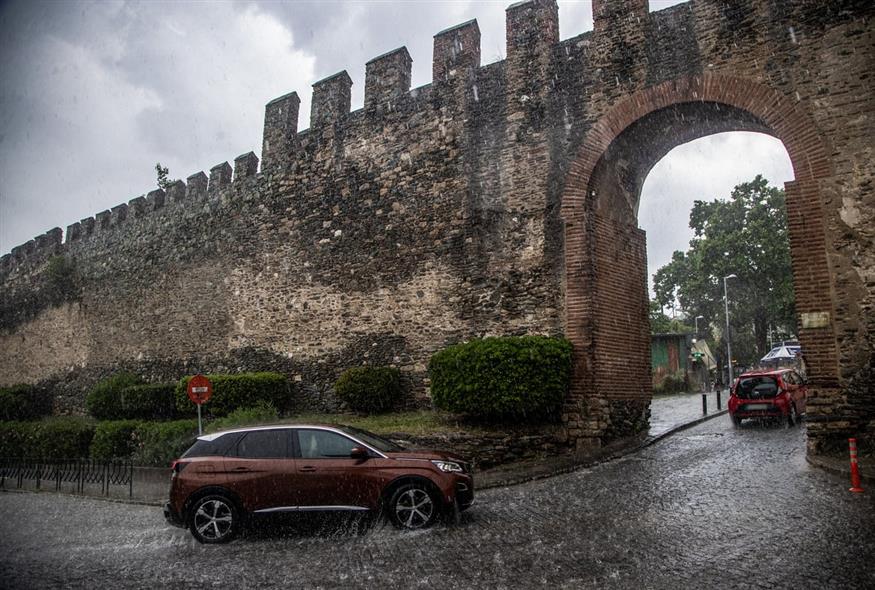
(710, 507)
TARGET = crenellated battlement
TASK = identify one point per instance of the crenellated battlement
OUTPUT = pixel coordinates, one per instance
(34, 251)
(532, 31)
(532, 36)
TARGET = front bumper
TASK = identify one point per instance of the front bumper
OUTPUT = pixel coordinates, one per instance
(172, 517)
(465, 493)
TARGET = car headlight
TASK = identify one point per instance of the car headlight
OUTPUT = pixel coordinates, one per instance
(448, 466)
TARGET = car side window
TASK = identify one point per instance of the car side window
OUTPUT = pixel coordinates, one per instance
(264, 444)
(324, 444)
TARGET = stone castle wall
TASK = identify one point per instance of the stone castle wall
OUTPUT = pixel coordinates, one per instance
(466, 208)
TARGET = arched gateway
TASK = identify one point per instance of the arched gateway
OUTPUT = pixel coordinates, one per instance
(498, 199)
(605, 261)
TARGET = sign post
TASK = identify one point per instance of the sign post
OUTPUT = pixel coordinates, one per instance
(199, 391)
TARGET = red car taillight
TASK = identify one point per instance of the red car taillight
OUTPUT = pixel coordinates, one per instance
(176, 467)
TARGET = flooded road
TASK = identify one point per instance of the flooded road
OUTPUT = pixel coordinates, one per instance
(711, 506)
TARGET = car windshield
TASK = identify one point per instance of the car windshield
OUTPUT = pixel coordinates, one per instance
(369, 438)
(760, 385)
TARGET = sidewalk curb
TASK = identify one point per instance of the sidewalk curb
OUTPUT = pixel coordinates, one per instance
(575, 463)
(655, 439)
(842, 468)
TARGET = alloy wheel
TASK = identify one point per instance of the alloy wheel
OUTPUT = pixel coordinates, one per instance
(214, 519)
(414, 508)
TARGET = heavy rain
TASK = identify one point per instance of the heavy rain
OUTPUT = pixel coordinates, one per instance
(437, 294)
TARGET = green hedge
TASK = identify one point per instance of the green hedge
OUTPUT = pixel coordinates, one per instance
(233, 392)
(261, 413)
(114, 439)
(503, 378)
(159, 443)
(370, 390)
(53, 438)
(149, 402)
(104, 401)
(24, 402)
(124, 396)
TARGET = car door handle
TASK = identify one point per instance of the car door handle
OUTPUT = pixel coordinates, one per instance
(308, 468)
(242, 470)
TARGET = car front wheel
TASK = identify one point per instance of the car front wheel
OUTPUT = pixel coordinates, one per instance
(214, 519)
(413, 507)
(736, 421)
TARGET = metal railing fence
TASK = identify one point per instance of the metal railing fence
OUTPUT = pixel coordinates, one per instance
(57, 472)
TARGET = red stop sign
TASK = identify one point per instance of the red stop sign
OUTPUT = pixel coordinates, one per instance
(199, 389)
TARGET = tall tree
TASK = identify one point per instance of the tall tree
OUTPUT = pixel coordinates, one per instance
(746, 236)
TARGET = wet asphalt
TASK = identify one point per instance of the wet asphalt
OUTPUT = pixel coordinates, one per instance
(709, 507)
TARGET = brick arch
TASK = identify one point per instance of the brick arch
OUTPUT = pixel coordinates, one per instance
(590, 400)
(806, 147)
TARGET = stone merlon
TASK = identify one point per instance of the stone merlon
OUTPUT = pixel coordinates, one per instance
(245, 166)
(532, 27)
(119, 213)
(196, 186)
(387, 77)
(176, 191)
(155, 199)
(331, 99)
(607, 14)
(280, 130)
(74, 232)
(220, 177)
(456, 51)
(137, 206)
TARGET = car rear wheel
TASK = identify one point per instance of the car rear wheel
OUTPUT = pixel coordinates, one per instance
(214, 519)
(412, 506)
(736, 421)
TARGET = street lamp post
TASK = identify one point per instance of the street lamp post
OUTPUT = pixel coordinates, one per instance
(702, 385)
(728, 343)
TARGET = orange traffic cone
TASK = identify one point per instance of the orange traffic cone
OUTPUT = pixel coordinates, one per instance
(855, 470)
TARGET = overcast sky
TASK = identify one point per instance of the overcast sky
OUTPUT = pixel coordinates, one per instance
(93, 94)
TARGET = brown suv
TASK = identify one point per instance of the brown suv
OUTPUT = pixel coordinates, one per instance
(227, 476)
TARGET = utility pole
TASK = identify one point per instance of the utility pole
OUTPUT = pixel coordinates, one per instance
(728, 335)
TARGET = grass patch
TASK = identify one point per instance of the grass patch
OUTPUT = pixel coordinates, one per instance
(422, 422)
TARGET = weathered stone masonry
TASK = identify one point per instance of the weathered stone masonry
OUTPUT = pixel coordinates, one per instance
(498, 199)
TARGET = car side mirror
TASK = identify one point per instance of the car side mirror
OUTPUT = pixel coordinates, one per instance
(359, 453)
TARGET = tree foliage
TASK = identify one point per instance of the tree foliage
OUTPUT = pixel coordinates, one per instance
(163, 172)
(746, 236)
(662, 324)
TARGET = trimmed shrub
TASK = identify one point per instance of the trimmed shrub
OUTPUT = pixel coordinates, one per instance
(160, 443)
(502, 378)
(24, 402)
(53, 438)
(233, 392)
(17, 439)
(104, 401)
(148, 402)
(114, 439)
(261, 413)
(370, 390)
(671, 384)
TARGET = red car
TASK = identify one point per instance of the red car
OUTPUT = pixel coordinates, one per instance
(777, 393)
(229, 476)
